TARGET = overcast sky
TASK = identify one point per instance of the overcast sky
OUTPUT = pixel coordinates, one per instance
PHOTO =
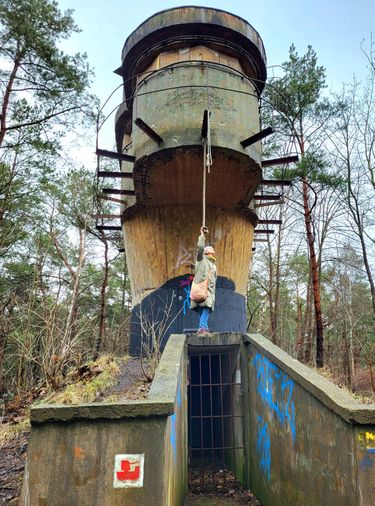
(334, 28)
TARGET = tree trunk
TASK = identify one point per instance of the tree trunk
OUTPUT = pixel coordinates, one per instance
(300, 337)
(315, 276)
(270, 294)
(307, 323)
(368, 269)
(371, 375)
(277, 288)
(6, 98)
(357, 215)
(73, 310)
(103, 301)
(347, 358)
(3, 341)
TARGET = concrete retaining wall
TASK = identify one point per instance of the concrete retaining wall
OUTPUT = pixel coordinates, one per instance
(308, 442)
(165, 386)
(107, 454)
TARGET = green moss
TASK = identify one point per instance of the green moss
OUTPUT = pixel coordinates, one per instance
(88, 390)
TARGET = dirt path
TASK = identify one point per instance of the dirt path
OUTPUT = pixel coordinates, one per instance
(12, 464)
(216, 487)
(131, 381)
(215, 501)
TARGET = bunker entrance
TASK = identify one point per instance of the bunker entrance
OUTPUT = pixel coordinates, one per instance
(215, 413)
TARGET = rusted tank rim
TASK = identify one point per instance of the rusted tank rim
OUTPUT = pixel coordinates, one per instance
(249, 214)
(193, 25)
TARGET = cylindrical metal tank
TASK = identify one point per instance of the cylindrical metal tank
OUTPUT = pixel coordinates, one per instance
(176, 65)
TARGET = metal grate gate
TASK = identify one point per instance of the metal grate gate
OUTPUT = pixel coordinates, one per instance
(215, 409)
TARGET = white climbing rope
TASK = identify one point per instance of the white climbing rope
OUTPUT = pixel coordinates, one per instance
(207, 163)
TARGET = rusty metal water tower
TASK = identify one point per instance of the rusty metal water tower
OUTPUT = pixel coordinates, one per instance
(176, 66)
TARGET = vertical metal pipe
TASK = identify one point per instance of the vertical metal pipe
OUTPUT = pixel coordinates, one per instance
(231, 397)
(211, 410)
(190, 415)
(222, 404)
(201, 403)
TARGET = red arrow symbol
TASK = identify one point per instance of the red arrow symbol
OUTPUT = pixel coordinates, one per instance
(129, 471)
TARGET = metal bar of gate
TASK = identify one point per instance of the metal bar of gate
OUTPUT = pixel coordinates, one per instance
(211, 411)
(215, 390)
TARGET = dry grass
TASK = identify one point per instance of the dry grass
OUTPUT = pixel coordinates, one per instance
(366, 396)
(100, 376)
(10, 431)
(106, 369)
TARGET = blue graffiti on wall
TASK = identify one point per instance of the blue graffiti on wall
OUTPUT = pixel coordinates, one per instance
(186, 285)
(264, 447)
(173, 435)
(186, 300)
(367, 440)
(275, 388)
(174, 422)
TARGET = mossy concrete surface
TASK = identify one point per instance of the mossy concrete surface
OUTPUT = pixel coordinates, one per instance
(308, 442)
(71, 456)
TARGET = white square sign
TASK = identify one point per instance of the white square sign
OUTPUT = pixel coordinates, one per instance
(128, 471)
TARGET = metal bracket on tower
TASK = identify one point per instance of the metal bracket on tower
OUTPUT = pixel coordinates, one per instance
(108, 227)
(257, 137)
(269, 222)
(280, 161)
(117, 156)
(115, 191)
(204, 130)
(274, 196)
(112, 173)
(276, 182)
(148, 131)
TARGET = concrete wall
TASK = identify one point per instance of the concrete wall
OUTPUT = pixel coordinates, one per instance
(84, 454)
(176, 433)
(308, 442)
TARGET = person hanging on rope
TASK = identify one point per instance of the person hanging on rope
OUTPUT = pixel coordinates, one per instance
(202, 293)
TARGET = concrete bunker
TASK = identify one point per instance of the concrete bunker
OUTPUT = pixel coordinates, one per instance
(305, 441)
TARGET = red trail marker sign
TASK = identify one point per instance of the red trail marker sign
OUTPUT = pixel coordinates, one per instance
(128, 471)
